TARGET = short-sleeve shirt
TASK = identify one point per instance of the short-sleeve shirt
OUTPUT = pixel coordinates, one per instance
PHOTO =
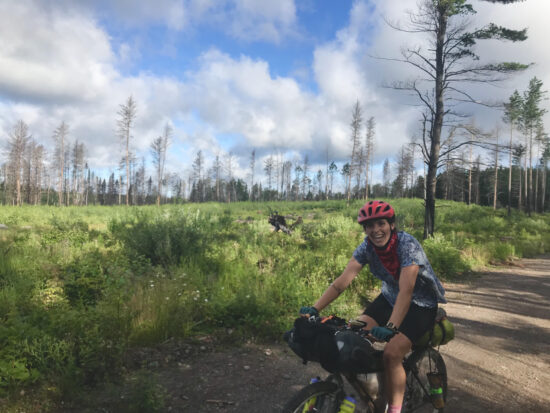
(428, 290)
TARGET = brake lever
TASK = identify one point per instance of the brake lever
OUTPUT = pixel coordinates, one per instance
(357, 324)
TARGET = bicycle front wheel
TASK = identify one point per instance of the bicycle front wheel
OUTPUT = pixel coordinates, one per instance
(322, 396)
(417, 393)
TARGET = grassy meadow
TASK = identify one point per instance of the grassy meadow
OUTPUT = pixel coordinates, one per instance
(80, 286)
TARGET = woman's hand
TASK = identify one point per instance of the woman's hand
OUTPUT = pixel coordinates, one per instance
(309, 311)
(382, 333)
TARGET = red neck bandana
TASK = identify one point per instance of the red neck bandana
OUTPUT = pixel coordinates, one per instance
(388, 256)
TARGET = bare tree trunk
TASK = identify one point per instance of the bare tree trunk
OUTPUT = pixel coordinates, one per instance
(495, 184)
(525, 183)
(530, 192)
(326, 175)
(127, 115)
(435, 133)
(510, 170)
(537, 190)
(470, 178)
(520, 199)
(543, 188)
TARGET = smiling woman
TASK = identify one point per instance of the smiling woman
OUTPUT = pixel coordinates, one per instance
(407, 306)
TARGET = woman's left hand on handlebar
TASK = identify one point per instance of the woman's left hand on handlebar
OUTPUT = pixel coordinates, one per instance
(382, 333)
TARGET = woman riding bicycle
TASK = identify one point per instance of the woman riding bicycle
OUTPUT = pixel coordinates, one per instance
(407, 305)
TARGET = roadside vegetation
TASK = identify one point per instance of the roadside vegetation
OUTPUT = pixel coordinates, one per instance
(81, 286)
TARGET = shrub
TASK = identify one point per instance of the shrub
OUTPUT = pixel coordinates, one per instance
(166, 237)
(444, 257)
(144, 395)
(85, 280)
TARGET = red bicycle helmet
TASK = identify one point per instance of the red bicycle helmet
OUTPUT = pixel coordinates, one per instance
(375, 210)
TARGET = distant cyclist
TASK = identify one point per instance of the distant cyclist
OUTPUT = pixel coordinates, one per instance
(407, 305)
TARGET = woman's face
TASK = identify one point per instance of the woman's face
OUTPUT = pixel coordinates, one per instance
(378, 231)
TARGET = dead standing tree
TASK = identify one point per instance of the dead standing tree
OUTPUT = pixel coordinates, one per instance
(448, 62)
(355, 125)
(60, 138)
(18, 139)
(369, 153)
(512, 114)
(159, 148)
(127, 115)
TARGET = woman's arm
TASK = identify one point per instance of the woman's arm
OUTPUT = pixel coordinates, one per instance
(339, 285)
(407, 280)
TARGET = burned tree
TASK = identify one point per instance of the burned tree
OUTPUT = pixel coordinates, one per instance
(448, 62)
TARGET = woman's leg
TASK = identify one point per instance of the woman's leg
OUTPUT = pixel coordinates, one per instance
(394, 353)
(371, 322)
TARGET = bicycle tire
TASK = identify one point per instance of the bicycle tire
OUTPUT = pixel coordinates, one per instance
(416, 399)
(328, 398)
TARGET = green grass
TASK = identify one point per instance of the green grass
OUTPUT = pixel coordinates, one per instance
(80, 286)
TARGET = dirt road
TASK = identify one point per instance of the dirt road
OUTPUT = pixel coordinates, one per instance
(499, 361)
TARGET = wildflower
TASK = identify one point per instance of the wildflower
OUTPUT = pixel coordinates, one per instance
(206, 300)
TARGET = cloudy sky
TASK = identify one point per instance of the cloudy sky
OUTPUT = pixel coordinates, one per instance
(231, 75)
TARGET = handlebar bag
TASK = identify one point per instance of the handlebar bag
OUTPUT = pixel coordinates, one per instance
(356, 354)
(314, 342)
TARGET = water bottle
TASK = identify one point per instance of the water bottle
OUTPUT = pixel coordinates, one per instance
(436, 391)
(348, 405)
(310, 404)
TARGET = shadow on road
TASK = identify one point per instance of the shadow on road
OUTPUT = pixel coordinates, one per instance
(462, 400)
(510, 293)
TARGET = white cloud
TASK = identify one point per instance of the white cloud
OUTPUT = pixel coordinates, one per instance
(60, 65)
(259, 20)
(51, 55)
(240, 96)
(249, 20)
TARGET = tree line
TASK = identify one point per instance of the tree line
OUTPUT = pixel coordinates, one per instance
(471, 173)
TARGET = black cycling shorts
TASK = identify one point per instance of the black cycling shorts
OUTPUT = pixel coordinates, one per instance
(417, 321)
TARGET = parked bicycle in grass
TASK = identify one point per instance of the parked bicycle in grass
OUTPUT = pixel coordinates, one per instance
(407, 306)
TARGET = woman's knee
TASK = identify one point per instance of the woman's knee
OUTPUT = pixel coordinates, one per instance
(396, 349)
(392, 355)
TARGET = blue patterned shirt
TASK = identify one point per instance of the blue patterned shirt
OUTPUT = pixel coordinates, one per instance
(428, 290)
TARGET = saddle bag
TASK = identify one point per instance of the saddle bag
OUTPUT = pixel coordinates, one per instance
(442, 332)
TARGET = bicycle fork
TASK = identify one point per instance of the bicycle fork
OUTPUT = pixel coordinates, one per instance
(376, 403)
